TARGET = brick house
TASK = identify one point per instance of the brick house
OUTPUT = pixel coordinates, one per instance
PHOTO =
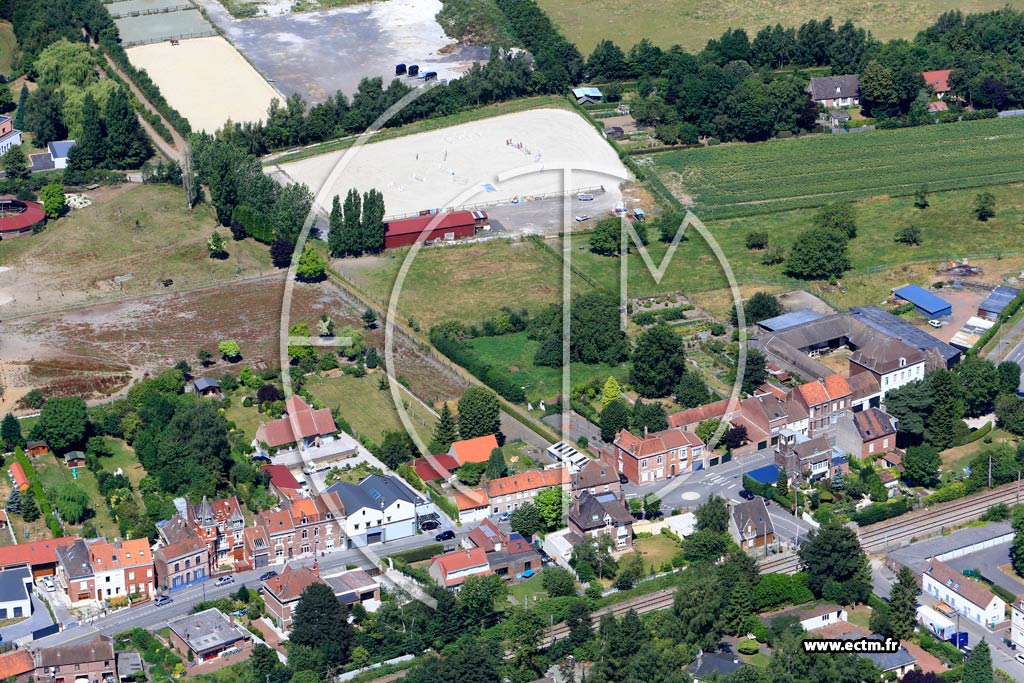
(658, 456)
(207, 635)
(506, 494)
(508, 555)
(283, 592)
(596, 477)
(301, 427)
(750, 525)
(283, 483)
(868, 433)
(183, 563)
(826, 400)
(98, 570)
(809, 459)
(453, 568)
(92, 661)
(302, 527)
(602, 514)
(16, 666)
(220, 524)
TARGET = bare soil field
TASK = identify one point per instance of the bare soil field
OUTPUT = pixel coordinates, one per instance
(145, 335)
(463, 165)
(207, 80)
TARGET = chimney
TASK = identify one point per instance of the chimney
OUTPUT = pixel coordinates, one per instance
(645, 431)
(316, 567)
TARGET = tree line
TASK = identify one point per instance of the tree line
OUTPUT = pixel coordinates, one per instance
(357, 226)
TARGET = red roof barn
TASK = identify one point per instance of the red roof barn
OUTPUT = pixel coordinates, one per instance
(18, 217)
(447, 226)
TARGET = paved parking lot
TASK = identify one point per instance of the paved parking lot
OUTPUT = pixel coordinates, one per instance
(964, 303)
(988, 562)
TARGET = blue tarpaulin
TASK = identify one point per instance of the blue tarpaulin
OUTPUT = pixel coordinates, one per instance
(769, 474)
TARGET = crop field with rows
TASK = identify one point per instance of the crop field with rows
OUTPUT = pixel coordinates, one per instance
(743, 180)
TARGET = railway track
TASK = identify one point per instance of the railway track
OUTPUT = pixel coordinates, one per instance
(932, 520)
(780, 564)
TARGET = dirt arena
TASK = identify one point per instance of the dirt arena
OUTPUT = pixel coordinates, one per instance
(461, 165)
(207, 80)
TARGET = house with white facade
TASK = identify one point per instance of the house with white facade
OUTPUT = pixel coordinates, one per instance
(1017, 622)
(377, 509)
(452, 569)
(971, 598)
(893, 363)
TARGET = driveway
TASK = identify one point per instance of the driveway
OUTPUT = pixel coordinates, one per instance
(987, 562)
(575, 426)
(40, 619)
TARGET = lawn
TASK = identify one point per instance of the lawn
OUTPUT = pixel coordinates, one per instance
(142, 234)
(53, 474)
(749, 179)
(463, 282)
(515, 353)
(955, 459)
(8, 45)
(860, 616)
(691, 23)
(366, 408)
(529, 589)
(948, 231)
(657, 551)
(124, 459)
(515, 457)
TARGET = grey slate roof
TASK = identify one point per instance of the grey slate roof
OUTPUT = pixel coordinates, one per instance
(753, 513)
(12, 584)
(832, 87)
(75, 560)
(207, 630)
(204, 383)
(916, 555)
(707, 664)
(889, 324)
(591, 511)
(369, 493)
(60, 148)
(999, 299)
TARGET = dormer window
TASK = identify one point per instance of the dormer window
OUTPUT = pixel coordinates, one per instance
(903, 362)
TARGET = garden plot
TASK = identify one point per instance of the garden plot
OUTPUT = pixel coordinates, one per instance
(207, 80)
(464, 165)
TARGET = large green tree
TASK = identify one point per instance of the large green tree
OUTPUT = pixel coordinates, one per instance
(335, 232)
(837, 568)
(445, 431)
(818, 253)
(351, 239)
(921, 466)
(321, 622)
(127, 146)
(691, 391)
(713, 514)
(43, 116)
(659, 361)
(90, 150)
(526, 520)
(648, 416)
(479, 413)
(840, 217)
(1009, 377)
(903, 604)
(371, 225)
(10, 432)
(15, 163)
(978, 667)
(62, 423)
(551, 504)
(910, 404)
(944, 424)
(760, 306)
(614, 418)
(979, 383)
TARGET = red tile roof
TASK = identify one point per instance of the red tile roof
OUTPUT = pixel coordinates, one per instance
(33, 554)
(435, 467)
(458, 560)
(301, 422)
(938, 81)
(873, 424)
(965, 587)
(474, 450)
(658, 442)
(129, 553)
(470, 500)
(693, 416)
(526, 481)
(416, 224)
(31, 214)
(282, 477)
(292, 582)
(15, 663)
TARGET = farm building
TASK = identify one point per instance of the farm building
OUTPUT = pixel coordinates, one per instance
(968, 335)
(938, 81)
(588, 95)
(450, 226)
(924, 301)
(18, 477)
(18, 217)
(997, 301)
(837, 117)
(835, 91)
(788, 320)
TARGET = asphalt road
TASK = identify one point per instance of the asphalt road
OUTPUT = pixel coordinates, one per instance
(1006, 349)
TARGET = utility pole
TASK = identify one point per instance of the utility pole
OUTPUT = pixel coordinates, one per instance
(990, 469)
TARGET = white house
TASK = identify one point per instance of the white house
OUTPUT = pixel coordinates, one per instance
(59, 152)
(893, 363)
(1017, 622)
(15, 591)
(9, 135)
(377, 509)
(811, 618)
(971, 598)
(451, 569)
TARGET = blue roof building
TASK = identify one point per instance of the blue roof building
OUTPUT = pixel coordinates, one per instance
(587, 95)
(924, 301)
(997, 301)
(788, 320)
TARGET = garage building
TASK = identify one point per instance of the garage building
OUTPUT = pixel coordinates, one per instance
(448, 226)
(997, 301)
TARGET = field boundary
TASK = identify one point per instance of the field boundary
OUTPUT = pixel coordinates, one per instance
(498, 202)
(164, 39)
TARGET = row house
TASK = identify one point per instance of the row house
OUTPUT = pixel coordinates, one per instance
(93, 660)
(658, 456)
(596, 477)
(809, 459)
(508, 554)
(827, 401)
(220, 524)
(506, 494)
(98, 570)
(183, 562)
(304, 527)
(603, 514)
(1017, 622)
(868, 433)
(892, 363)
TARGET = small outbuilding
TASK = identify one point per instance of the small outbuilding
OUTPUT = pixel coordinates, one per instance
(37, 448)
(588, 95)
(74, 459)
(18, 477)
(924, 301)
(19, 217)
(207, 387)
(997, 301)
(614, 132)
(838, 117)
(448, 226)
(60, 151)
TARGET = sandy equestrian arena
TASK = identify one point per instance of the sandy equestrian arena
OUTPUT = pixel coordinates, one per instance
(459, 166)
(207, 80)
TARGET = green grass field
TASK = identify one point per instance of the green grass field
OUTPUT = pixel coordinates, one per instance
(367, 409)
(949, 231)
(691, 23)
(748, 179)
(123, 458)
(657, 550)
(53, 473)
(8, 45)
(515, 352)
(465, 282)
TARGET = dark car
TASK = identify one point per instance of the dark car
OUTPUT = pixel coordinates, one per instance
(445, 535)
(746, 495)
(430, 525)
(162, 600)
(268, 575)
(623, 479)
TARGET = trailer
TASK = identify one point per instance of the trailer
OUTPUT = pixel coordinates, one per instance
(399, 69)
(939, 625)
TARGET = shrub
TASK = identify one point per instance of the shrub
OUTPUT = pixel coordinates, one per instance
(748, 647)
(418, 554)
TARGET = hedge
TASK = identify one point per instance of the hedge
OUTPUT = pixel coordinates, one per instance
(415, 573)
(144, 83)
(462, 354)
(978, 434)
(418, 554)
(643, 317)
(42, 501)
(876, 512)
(447, 506)
(947, 493)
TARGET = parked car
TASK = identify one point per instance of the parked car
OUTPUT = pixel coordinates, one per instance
(430, 525)
(240, 612)
(266, 576)
(224, 580)
(935, 323)
(162, 600)
(582, 217)
(746, 495)
(49, 585)
(504, 516)
(585, 197)
(445, 535)
(623, 479)
(1019, 657)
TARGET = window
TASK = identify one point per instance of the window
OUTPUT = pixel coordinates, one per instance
(177, 567)
(305, 533)
(357, 527)
(131, 576)
(316, 531)
(643, 463)
(305, 548)
(661, 460)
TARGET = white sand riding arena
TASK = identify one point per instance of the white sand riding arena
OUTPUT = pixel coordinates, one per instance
(459, 166)
(206, 80)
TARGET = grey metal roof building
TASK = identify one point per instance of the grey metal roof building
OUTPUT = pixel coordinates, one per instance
(14, 584)
(207, 631)
(890, 325)
(916, 555)
(997, 301)
(788, 320)
(374, 491)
